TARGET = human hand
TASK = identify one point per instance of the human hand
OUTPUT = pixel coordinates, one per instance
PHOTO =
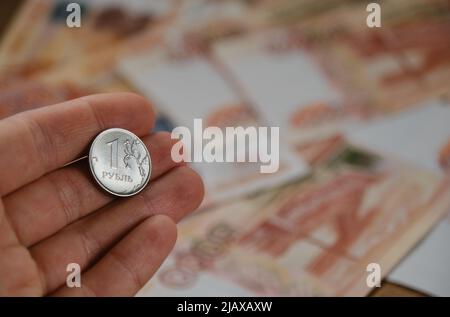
(52, 215)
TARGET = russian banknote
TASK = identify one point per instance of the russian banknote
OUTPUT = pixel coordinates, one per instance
(187, 87)
(39, 39)
(314, 237)
(283, 80)
(420, 135)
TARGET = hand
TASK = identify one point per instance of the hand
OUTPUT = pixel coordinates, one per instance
(52, 215)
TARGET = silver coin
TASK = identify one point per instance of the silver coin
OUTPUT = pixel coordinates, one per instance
(120, 162)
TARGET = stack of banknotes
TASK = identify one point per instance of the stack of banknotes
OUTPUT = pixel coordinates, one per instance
(364, 117)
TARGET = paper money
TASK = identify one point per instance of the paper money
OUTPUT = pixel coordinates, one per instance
(388, 68)
(311, 238)
(330, 72)
(185, 88)
(420, 135)
(281, 77)
(314, 69)
(39, 39)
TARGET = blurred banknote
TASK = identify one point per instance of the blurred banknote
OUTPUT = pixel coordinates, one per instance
(39, 39)
(188, 87)
(314, 237)
(420, 135)
(283, 80)
(386, 69)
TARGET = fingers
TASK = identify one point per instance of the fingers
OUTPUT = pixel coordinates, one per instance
(19, 275)
(38, 141)
(177, 193)
(131, 263)
(48, 204)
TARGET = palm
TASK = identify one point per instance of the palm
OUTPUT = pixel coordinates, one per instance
(52, 215)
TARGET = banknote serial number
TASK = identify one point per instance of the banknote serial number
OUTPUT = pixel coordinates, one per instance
(227, 307)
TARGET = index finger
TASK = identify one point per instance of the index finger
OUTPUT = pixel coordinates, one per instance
(36, 142)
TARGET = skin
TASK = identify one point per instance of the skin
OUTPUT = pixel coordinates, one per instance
(52, 214)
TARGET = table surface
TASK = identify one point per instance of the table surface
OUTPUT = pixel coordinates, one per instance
(7, 10)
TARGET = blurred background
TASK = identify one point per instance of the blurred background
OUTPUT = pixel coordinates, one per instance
(364, 117)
